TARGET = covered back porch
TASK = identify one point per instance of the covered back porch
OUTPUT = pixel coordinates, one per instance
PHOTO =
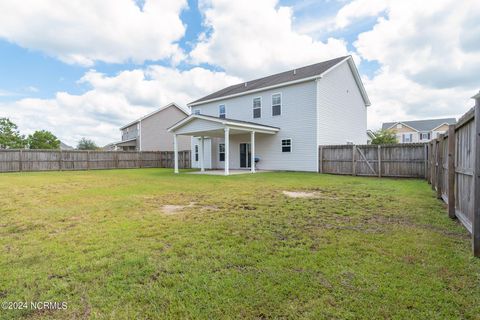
(203, 127)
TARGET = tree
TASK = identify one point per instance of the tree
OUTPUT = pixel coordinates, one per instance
(43, 140)
(86, 144)
(10, 137)
(384, 137)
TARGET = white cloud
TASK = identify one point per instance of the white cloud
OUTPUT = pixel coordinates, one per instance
(85, 31)
(395, 97)
(429, 55)
(252, 38)
(112, 101)
(358, 9)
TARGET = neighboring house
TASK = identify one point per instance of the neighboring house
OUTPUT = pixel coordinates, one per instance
(64, 146)
(418, 130)
(110, 147)
(279, 120)
(149, 133)
(370, 136)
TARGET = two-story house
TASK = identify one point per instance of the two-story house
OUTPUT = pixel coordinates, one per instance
(149, 133)
(418, 130)
(278, 122)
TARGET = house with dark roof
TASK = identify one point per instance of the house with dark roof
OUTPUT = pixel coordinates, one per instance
(149, 133)
(279, 121)
(418, 130)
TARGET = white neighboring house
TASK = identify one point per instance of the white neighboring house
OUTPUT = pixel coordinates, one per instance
(418, 130)
(278, 122)
(149, 133)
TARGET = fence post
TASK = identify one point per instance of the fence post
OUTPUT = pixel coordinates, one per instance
(139, 163)
(451, 171)
(20, 161)
(433, 162)
(379, 151)
(476, 186)
(320, 159)
(425, 162)
(115, 157)
(60, 161)
(88, 159)
(354, 165)
(440, 166)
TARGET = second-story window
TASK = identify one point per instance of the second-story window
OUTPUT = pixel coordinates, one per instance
(276, 104)
(221, 111)
(196, 111)
(257, 107)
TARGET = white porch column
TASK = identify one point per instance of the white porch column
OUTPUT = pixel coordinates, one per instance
(202, 148)
(175, 152)
(227, 151)
(252, 151)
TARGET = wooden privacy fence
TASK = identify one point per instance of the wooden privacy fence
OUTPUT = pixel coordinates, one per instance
(12, 160)
(395, 160)
(454, 172)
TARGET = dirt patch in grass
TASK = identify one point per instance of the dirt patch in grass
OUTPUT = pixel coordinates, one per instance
(301, 194)
(171, 209)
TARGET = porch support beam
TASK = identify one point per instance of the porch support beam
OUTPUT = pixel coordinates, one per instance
(175, 153)
(227, 151)
(252, 151)
(202, 153)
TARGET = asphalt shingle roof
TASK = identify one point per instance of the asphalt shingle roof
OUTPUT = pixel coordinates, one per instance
(422, 125)
(287, 76)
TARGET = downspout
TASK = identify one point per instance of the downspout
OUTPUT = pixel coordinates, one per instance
(140, 135)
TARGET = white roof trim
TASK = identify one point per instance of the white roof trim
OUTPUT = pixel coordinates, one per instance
(445, 123)
(118, 142)
(358, 80)
(477, 96)
(155, 112)
(406, 125)
(226, 122)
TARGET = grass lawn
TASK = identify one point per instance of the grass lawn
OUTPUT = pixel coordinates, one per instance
(101, 241)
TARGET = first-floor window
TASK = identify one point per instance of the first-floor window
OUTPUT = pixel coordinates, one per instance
(221, 152)
(196, 152)
(287, 145)
(407, 137)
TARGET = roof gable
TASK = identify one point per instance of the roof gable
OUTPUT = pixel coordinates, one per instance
(291, 76)
(421, 125)
(172, 104)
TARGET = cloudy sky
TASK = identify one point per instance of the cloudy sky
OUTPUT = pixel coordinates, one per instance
(82, 68)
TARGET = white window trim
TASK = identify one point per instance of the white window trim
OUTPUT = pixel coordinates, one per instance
(281, 103)
(404, 135)
(253, 106)
(291, 145)
(224, 153)
(225, 106)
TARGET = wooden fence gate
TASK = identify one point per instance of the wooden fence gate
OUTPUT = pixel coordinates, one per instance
(396, 160)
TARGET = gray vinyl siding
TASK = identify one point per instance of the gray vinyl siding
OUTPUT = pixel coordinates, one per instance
(130, 132)
(199, 125)
(342, 115)
(154, 134)
(297, 122)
